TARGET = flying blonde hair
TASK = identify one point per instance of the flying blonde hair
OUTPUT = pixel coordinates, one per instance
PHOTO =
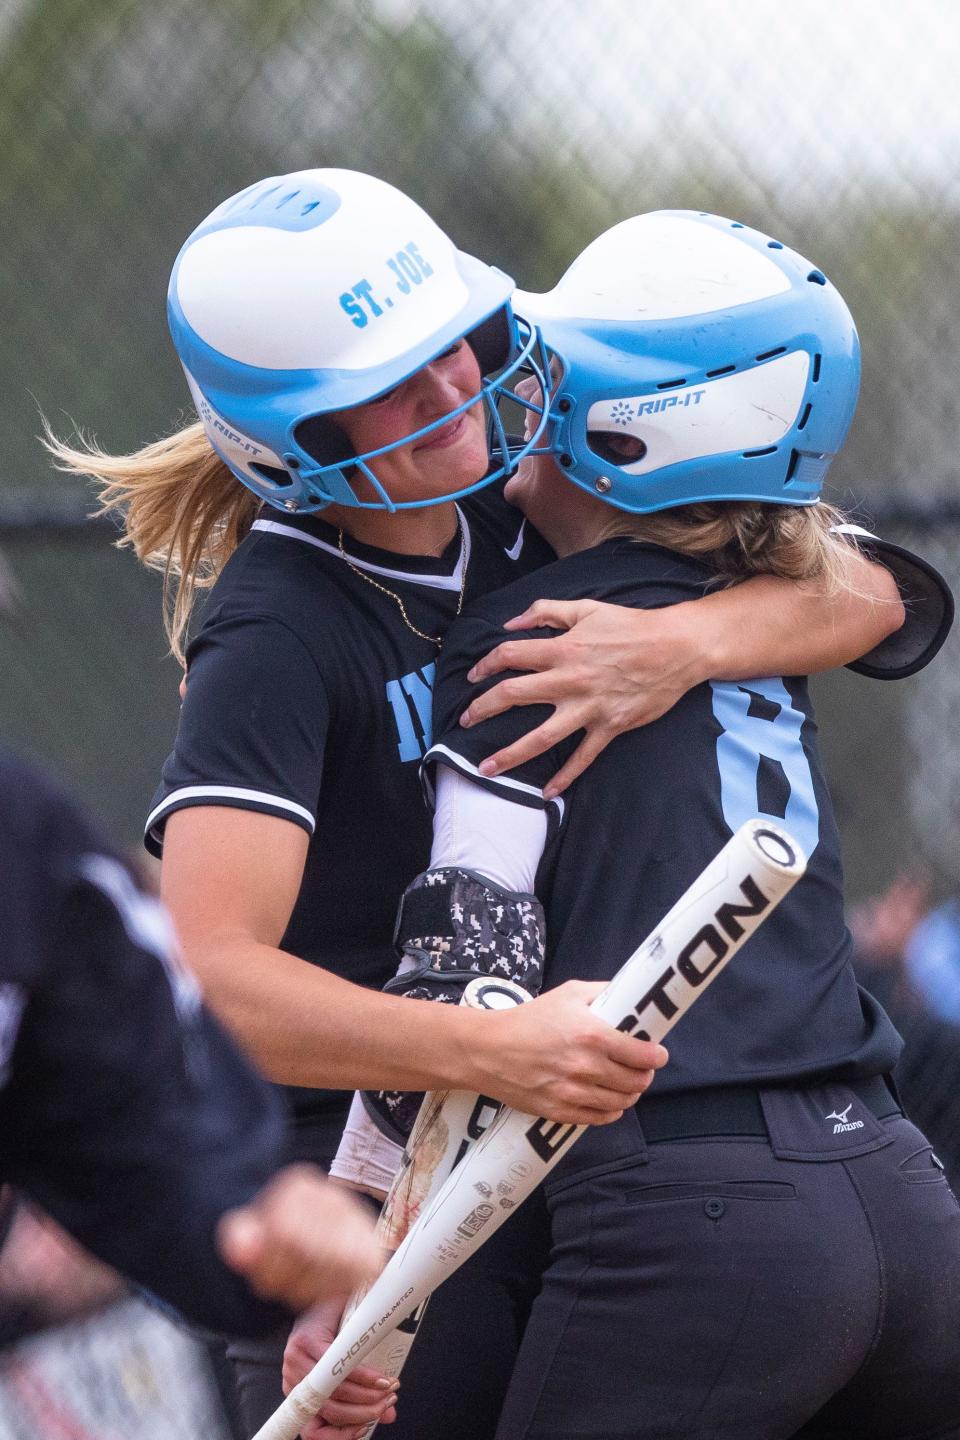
(184, 513)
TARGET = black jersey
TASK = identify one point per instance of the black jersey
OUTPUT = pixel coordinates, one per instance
(125, 1111)
(633, 833)
(309, 698)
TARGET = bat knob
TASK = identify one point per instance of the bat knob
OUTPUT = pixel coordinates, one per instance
(776, 846)
(485, 993)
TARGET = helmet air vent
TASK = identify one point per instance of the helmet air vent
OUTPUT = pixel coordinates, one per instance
(616, 449)
(751, 454)
(815, 374)
(769, 354)
(235, 202)
(276, 478)
(804, 417)
(670, 384)
(264, 195)
(279, 205)
(774, 245)
(723, 370)
(792, 467)
(817, 277)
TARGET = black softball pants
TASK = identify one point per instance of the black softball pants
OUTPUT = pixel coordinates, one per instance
(797, 1279)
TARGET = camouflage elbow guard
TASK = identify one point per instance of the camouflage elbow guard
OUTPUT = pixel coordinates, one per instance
(452, 926)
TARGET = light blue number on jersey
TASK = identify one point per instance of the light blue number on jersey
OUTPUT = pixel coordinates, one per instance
(417, 687)
(745, 739)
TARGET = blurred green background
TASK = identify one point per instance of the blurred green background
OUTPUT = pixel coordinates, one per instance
(524, 130)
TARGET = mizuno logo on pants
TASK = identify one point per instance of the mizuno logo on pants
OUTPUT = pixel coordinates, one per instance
(842, 1122)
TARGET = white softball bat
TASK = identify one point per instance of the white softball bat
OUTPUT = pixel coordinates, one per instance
(448, 1124)
(720, 911)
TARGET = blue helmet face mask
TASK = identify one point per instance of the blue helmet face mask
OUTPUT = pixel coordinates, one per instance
(695, 360)
(312, 293)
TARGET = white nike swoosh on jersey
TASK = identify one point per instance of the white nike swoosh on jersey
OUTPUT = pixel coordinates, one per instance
(513, 553)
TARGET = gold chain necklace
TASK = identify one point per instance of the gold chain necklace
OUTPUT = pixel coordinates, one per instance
(433, 639)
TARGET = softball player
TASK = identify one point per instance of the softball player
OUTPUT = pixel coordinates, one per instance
(342, 355)
(124, 1109)
(765, 1246)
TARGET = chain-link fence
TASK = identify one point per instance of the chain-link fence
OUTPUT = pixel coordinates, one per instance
(525, 129)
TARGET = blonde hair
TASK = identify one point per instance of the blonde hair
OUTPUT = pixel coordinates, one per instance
(741, 538)
(184, 513)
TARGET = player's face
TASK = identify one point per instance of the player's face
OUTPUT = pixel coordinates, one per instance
(448, 458)
(549, 501)
(562, 513)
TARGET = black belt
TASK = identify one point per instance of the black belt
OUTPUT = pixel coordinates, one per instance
(736, 1109)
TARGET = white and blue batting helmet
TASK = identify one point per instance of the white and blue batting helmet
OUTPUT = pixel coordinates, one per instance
(699, 360)
(314, 292)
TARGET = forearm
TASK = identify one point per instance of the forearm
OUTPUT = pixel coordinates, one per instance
(306, 1026)
(303, 1025)
(769, 626)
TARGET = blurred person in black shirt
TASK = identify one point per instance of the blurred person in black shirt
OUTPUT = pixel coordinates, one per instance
(126, 1112)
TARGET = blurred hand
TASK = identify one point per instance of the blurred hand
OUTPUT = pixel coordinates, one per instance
(882, 926)
(300, 1240)
(44, 1272)
(610, 669)
(553, 1057)
(366, 1395)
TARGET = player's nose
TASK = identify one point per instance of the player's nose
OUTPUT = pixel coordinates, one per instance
(438, 391)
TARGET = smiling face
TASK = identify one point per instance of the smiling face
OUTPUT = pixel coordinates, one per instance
(447, 459)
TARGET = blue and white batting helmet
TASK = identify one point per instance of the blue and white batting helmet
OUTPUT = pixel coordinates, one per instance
(700, 360)
(314, 292)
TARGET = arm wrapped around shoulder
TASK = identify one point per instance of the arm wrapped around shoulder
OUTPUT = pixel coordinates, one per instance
(452, 926)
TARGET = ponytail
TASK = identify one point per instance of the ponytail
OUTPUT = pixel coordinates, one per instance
(184, 513)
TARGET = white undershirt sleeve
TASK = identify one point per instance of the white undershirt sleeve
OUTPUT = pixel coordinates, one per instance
(473, 829)
(477, 829)
(365, 1155)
